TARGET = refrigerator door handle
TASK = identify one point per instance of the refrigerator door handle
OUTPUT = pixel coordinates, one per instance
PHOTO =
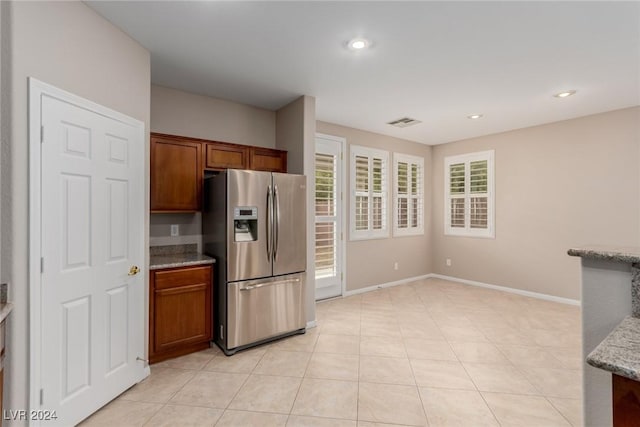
(269, 222)
(277, 222)
(262, 285)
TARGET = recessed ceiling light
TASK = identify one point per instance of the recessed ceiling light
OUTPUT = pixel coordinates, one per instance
(475, 116)
(358, 44)
(565, 94)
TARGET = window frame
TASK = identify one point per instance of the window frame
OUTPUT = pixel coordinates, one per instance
(370, 154)
(466, 159)
(410, 161)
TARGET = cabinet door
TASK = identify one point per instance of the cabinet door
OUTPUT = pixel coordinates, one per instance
(226, 156)
(181, 310)
(265, 159)
(176, 175)
(626, 401)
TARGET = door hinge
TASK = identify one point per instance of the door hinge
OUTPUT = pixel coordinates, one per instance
(341, 155)
(341, 236)
(341, 276)
(41, 265)
(221, 332)
(41, 397)
(41, 134)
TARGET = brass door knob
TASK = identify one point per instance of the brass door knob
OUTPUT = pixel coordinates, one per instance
(134, 270)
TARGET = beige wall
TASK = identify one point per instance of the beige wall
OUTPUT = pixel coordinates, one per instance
(181, 113)
(309, 155)
(5, 110)
(558, 185)
(290, 134)
(295, 132)
(370, 262)
(68, 45)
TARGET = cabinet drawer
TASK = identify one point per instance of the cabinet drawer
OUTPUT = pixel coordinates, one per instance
(222, 156)
(182, 277)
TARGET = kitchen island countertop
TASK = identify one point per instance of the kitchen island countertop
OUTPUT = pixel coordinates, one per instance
(630, 254)
(619, 353)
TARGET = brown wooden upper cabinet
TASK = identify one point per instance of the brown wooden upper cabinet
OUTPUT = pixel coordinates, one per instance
(176, 174)
(178, 164)
(265, 159)
(222, 156)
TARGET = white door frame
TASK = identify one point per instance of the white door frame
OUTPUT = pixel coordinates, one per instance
(343, 202)
(36, 90)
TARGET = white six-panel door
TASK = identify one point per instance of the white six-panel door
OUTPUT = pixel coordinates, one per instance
(91, 214)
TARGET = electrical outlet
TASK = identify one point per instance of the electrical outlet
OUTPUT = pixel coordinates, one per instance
(395, 265)
(448, 262)
(175, 229)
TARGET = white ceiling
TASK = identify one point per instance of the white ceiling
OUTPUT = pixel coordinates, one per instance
(437, 62)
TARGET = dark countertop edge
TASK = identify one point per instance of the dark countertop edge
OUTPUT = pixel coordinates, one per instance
(613, 353)
(604, 254)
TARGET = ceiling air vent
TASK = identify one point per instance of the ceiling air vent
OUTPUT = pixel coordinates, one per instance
(404, 122)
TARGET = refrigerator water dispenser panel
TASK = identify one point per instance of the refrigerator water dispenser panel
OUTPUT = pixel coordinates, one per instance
(245, 224)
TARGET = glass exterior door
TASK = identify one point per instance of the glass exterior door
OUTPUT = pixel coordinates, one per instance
(328, 213)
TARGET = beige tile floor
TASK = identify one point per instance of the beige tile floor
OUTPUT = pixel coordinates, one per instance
(430, 352)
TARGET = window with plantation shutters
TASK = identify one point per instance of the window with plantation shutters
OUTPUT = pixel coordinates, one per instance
(369, 193)
(408, 195)
(469, 198)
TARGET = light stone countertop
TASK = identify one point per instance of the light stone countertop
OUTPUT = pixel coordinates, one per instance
(619, 353)
(629, 254)
(157, 262)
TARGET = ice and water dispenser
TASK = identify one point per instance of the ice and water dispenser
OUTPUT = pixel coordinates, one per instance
(245, 223)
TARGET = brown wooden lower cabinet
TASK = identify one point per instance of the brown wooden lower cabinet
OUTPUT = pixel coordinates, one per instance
(626, 402)
(2, 354)
(180, 311)
(1, 394)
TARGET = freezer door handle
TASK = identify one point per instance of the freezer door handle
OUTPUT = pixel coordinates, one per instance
(277, 222)
(262, 285)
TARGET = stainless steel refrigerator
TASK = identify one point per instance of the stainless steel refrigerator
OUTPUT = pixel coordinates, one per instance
(254, 225)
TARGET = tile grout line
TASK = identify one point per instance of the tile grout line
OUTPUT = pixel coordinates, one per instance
(559, 411)
(226, 408)
(293, 404)
(189, 380)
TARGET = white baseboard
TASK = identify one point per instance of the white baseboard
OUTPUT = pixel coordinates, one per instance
(312, 324)
(537, 295)
(385, 285)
